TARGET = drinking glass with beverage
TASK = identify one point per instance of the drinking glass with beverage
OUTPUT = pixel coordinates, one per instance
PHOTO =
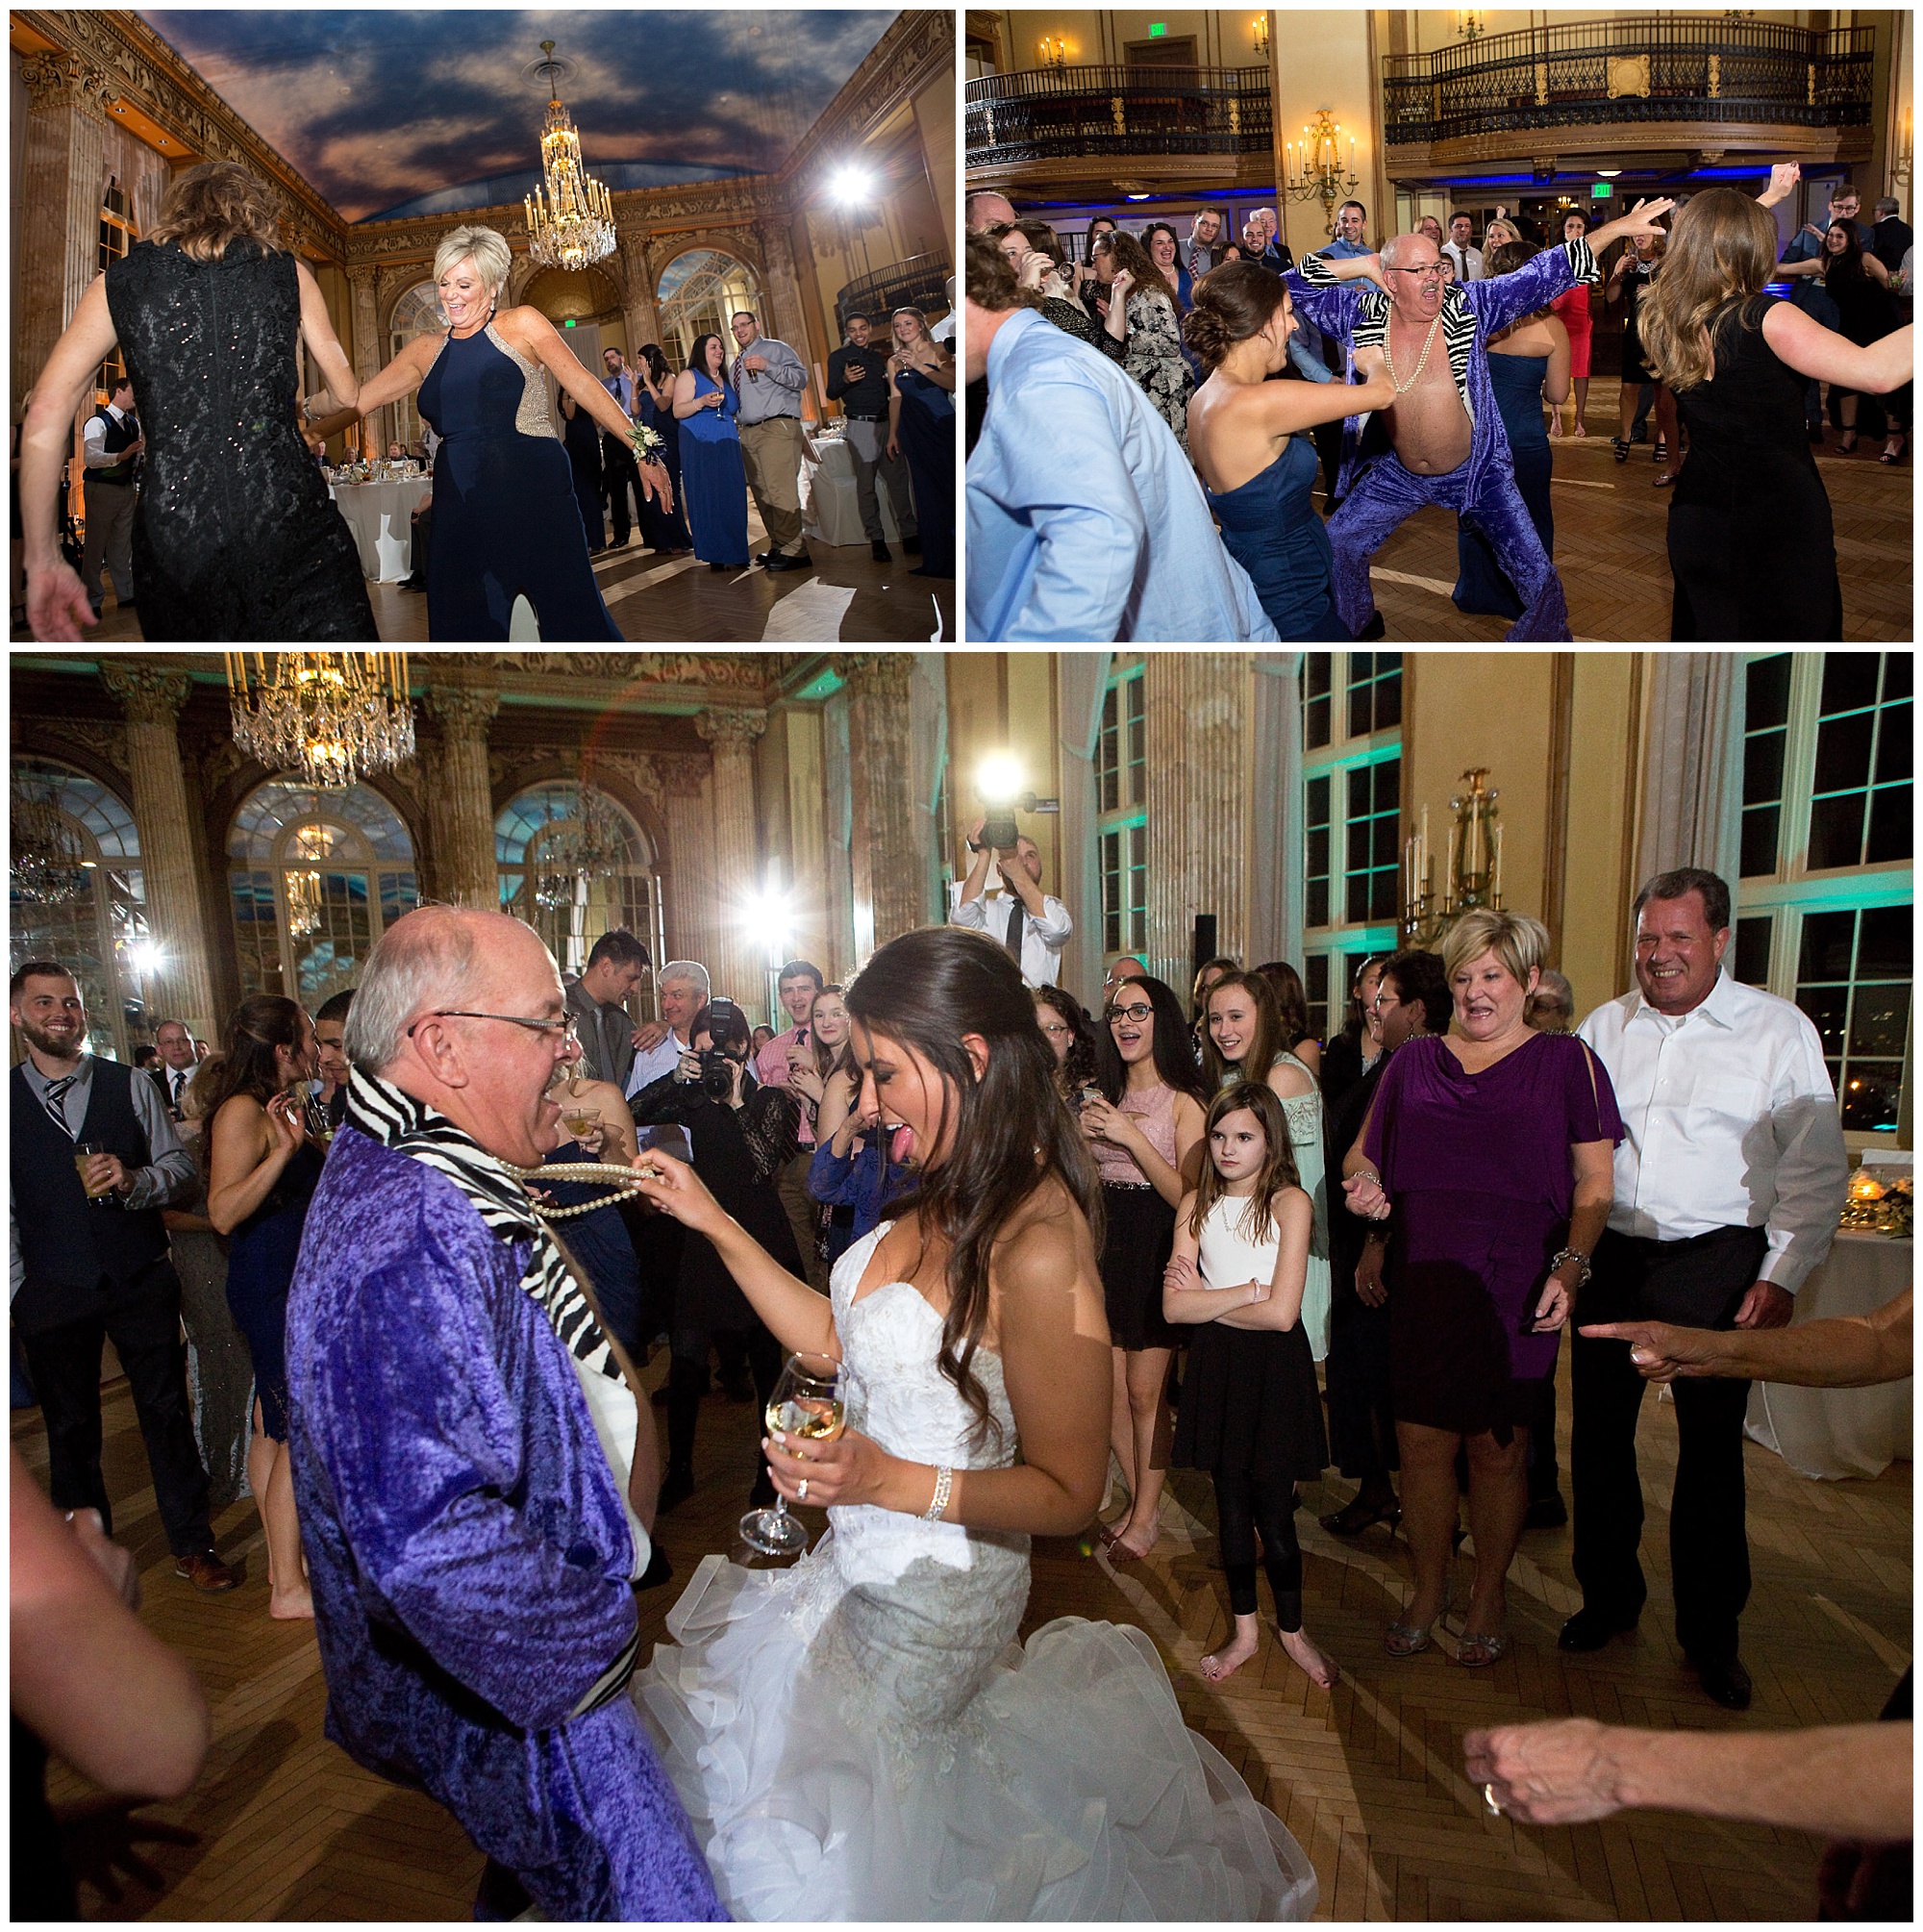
(809, 1402)
(85, 1154)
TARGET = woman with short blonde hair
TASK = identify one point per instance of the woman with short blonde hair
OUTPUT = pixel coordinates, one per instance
(1752, 546)
(233, 537)
(506, 520)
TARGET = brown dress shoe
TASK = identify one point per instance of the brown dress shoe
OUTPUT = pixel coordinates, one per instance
(206, 1572)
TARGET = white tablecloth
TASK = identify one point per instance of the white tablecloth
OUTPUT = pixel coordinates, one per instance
(831, 510)
(1836, 1433)
(379, 515)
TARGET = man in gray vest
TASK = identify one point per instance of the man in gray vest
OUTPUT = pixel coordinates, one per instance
(93, 1160)
(112, 445)
(770, 378)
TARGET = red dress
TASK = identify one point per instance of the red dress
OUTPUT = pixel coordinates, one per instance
(1573, 306)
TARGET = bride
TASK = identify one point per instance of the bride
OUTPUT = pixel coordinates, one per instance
(860, 1736)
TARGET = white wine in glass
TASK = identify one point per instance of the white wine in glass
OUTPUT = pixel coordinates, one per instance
(809, 1403)
(581, 1121)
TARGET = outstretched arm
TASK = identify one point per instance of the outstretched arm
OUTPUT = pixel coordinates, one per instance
(1322, 293)
(1850, 1351)
(1812, 350)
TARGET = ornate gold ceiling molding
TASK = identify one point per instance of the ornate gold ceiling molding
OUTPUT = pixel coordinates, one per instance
(133, 60)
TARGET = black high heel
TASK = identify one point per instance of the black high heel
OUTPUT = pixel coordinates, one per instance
(1849, 442)
(1354, 1518)
(1621, 447)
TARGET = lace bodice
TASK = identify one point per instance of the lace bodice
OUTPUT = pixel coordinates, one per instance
(1154, 1112)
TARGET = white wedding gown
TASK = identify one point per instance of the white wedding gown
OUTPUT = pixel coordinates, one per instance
(859, 1736)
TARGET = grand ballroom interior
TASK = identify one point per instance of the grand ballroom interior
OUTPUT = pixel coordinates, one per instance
(1076, 114)
(743, 810)
(796, 165)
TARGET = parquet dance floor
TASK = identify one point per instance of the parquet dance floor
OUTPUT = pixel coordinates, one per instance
(281, 1825)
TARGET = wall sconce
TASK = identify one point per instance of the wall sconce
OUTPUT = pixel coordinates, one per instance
(1259, 30)
(1054, 51)
(1900, 161)
(1469, 23)
(1315, 172)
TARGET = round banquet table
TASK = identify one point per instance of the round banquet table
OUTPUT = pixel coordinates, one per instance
(380, 516)
(831, 512)
(1837, 1433)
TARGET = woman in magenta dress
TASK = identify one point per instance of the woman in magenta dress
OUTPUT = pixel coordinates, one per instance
(1493, 1149)
(1572, 307)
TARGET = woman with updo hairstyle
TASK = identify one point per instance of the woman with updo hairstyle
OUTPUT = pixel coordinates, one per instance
(233, 537)
(1529, 364)
(1249, 438)
(263, 1165)
(506, 524)
(1141, 314)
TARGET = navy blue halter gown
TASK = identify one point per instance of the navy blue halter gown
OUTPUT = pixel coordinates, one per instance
(1270, 527)
(506, 523)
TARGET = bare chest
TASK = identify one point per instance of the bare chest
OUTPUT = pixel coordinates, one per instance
(1428, 424)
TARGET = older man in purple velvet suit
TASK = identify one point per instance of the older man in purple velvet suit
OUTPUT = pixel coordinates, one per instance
(1446, 442)
(475, 1478)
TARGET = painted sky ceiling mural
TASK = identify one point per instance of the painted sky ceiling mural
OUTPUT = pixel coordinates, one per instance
(411, 112)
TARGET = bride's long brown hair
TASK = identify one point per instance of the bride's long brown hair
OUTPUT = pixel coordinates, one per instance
(1011, 1130)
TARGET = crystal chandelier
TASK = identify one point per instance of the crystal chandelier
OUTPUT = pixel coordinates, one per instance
(311, 844)
(48, 862)
(589, 843)
(334, 715)
(574, 225)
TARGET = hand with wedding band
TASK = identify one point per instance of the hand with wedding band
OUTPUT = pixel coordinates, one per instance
(1561, 1772)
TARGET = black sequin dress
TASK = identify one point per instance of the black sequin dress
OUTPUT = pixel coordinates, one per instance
(235, 539)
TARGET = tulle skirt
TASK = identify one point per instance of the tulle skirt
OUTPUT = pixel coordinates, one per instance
(854, 1752)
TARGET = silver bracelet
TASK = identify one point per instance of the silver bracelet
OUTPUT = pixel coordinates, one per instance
(1576, 1255)
(944, 1481)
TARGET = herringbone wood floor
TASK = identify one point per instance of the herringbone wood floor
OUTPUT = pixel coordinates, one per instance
(281, 1825)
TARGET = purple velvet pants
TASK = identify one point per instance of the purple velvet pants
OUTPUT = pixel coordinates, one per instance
(1388, 492)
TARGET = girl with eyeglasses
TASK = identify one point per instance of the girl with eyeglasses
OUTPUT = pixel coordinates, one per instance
(1146, 1127)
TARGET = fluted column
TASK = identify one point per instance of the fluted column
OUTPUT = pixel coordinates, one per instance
(785, 319)
(889, 863)
(63, 176)
(367, 357)
(687, 807)
(738, 963)
(176, 918)
(459, 798)
(637, 310)
(1196, 712)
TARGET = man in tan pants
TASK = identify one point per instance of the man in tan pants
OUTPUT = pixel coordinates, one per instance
(770, 378)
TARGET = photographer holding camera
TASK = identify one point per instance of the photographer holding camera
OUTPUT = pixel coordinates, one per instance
(1035, 927)
(743, 1135)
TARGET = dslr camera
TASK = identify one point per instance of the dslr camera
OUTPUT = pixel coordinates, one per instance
(717, 1068)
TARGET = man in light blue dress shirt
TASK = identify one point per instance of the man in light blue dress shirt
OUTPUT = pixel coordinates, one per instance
(1085, 522)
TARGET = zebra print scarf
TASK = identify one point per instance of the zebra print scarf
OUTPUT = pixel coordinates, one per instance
(381, 1111)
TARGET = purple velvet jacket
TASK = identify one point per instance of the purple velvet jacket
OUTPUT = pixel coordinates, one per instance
(1356, 313)
(469, 1556)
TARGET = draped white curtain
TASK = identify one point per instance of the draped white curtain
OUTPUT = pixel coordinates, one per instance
(1081, 677)
(928, 722)
(1276, 851)
(1692, 771)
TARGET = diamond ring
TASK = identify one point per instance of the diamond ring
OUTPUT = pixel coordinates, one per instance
(1490, 1799)
(801, 1490)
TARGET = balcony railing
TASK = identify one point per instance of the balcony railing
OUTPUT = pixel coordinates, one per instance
(1658, 67)
(1053, 113)
(917, 282)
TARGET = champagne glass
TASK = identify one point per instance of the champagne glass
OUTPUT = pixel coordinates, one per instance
(809, 1402)
(580, 1118)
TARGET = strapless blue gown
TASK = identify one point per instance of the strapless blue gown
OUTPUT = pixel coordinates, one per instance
(926, 436)
(505, 521)
(1479, 582)
(715, 487)
(1270, 527)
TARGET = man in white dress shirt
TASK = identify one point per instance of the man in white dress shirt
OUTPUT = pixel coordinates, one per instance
(1728, 1188)
(1033, 927)
(681, 987)
(178, 1063)
(1469, 260)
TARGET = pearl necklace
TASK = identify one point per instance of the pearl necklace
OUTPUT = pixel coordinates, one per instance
(621, 1180)
(1388, 360)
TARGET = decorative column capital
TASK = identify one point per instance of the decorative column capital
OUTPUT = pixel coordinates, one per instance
(148, 694)
(65, 80)
(682, 777)
(877, 673)
(462, 710)
(731, 730)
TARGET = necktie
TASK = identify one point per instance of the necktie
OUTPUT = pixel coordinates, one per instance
(55, 1101)
(1013, 938)
(180, 1085)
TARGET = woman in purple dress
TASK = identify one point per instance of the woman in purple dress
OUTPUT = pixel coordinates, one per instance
(1494, 1149)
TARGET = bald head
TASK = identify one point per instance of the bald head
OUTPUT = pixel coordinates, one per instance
(985, 208)
(1408, 251)
(437, 956)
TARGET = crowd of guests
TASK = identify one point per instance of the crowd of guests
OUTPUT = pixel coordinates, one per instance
(1269, 374)
(1417, 1204)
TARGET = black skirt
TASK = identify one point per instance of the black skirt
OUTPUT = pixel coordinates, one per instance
(1135, 1252)
(1249, 1402)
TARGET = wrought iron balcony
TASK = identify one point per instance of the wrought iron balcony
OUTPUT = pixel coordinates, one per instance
(917, 282)
(1662, 68)
(1097, 113)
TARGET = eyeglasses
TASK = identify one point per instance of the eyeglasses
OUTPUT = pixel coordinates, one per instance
(1134, 1014)
(1057, 1026)
(565, 1027)
(1433, 273)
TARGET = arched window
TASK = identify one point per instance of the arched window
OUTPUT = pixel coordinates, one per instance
(315, 877)
(575, 865)
(93, 918)
(418, 313)
(699, 291)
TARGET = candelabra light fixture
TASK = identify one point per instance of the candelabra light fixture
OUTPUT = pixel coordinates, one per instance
(1472, 868)
(1469, 23)
(574, 224)
(334, 715)
(1900, 161)
(1259, 30)
(1054, 51)
(47, 862)
(1313, 168)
